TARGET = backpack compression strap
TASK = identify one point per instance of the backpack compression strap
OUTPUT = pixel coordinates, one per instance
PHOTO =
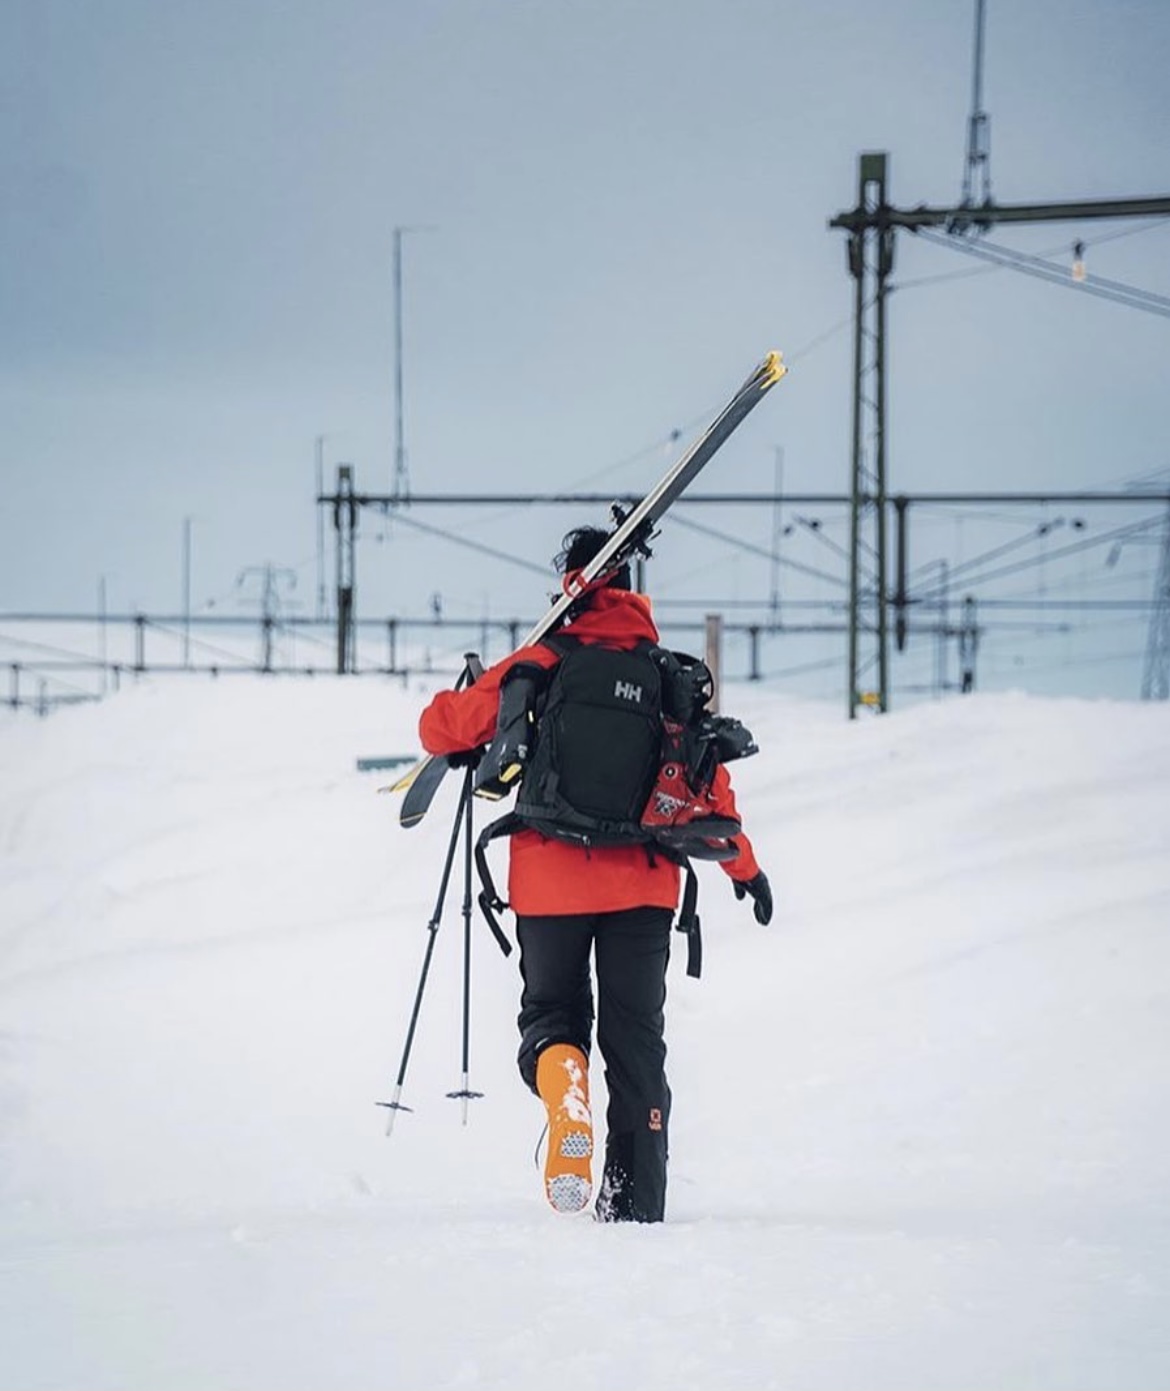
(490, 902)
(688, 921)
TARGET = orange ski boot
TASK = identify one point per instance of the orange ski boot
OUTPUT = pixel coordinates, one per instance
(562, 1079)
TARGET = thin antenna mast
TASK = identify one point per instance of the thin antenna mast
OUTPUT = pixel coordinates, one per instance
(400, 492)
(401, 482)
(977, 174)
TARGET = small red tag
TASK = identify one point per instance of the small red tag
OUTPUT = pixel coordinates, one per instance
(655, 1118)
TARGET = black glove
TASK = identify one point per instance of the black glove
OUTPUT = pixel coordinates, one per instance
(465, 758)
(761, 892)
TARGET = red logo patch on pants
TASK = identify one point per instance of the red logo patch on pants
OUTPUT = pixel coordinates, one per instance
(655, 1118)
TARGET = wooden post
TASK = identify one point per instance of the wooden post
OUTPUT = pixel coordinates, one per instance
(754, 639)
(714, 655)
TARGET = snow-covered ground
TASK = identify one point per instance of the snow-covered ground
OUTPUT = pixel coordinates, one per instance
(922, 1122)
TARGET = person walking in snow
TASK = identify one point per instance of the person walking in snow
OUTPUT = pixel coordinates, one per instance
(614, 900)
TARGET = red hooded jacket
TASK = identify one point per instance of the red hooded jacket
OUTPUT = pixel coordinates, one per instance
(552, 877)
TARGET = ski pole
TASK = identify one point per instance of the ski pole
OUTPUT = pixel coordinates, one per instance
(463, 812)
(465, 1094)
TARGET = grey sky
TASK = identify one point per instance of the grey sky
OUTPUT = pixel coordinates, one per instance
(629, 204)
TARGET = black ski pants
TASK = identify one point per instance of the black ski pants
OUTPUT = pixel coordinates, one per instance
(632, 949)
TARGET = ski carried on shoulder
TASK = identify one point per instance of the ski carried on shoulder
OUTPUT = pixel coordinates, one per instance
(420, 784)
(632, 534)
(422, 779)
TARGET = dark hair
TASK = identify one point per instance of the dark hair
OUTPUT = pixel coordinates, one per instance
(578, 548)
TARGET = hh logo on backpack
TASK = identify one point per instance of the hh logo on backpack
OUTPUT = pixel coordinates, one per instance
(626, 690)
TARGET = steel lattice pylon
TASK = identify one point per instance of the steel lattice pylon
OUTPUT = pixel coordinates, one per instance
(872, 225)
(871, 260)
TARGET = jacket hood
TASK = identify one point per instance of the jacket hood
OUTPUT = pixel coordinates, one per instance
(615, 615)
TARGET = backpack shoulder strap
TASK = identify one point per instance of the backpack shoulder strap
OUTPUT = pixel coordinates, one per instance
(561, 643)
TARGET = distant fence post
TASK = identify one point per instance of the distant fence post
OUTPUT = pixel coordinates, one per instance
(139, 642)
(345, 525)
(713, 625)
(968, 646)
(754, 640)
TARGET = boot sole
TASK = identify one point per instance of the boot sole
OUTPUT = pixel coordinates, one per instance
(570, 1191)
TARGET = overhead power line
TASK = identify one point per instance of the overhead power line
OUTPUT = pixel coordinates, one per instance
(752, 549)
(1115, 290)
(469, 544)
(1125, 532)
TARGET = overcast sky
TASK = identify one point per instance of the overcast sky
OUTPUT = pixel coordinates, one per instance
(626, 205)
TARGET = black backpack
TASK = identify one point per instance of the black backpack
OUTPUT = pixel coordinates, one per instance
(596, 755)
(612, 747)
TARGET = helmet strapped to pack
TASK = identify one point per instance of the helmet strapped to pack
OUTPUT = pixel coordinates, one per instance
(612, 746)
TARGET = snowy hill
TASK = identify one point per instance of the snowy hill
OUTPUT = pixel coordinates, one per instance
(918, 1141)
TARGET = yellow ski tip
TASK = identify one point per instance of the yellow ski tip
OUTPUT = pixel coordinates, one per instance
(407, 778)
(773, 369)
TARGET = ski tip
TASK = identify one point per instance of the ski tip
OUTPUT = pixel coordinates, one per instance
(772, 370)
(406, 781)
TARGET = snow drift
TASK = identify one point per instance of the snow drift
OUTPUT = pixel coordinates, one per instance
(920, 1127)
